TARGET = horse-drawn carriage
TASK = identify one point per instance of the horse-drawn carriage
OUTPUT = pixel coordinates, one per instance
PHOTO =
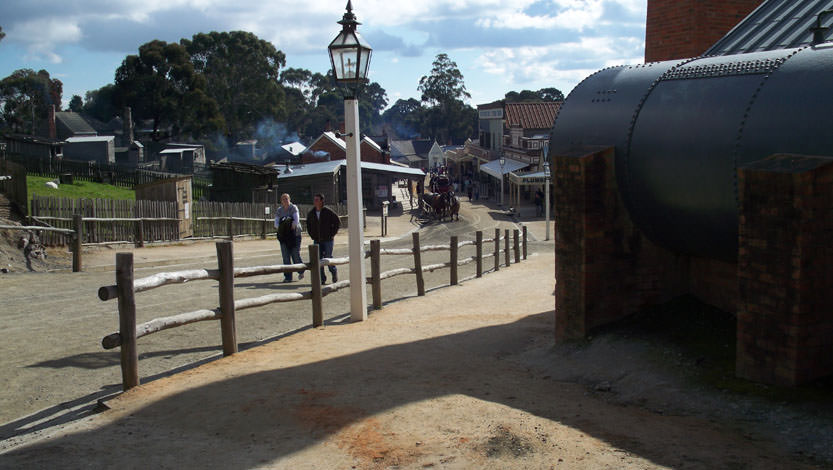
(439, 205)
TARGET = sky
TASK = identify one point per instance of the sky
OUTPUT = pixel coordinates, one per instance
(498, 45)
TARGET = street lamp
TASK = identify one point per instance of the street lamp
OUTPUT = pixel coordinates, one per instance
(502, 161)
(547, 198)
(350, 58)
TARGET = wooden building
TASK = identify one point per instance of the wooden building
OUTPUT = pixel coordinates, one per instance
(172, 189)
(240, 182)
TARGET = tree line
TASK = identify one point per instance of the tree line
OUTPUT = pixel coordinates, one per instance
(221, 87)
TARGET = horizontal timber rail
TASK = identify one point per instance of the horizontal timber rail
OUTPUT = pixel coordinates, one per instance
(126, 286)
(37, 227)
(110, 219)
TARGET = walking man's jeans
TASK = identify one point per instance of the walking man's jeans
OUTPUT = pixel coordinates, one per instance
(291, 256)
(325, 250)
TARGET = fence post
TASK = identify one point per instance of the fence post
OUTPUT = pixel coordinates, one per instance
(315, 284)
(506, 253)
(140, 233)
(225, 262)
(478, 246)
(229, 228)
(94, 231)
(418, 265)
(78, 225)
(127, 320)
(524, 240)
(454, 250)
(263, 231)
(516, 245)
(497, 249)
(375, 272)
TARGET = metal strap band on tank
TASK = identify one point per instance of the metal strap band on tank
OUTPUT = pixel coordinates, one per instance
(626, 191)
(777, 64)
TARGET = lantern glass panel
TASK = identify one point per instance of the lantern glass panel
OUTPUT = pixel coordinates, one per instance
(364, 62)
(346, 63)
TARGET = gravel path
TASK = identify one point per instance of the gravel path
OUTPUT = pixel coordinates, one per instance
(53, 364)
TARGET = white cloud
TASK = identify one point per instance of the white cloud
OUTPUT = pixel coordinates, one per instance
(566, 63)
(570, 14)
(41, 35)
(529, 34)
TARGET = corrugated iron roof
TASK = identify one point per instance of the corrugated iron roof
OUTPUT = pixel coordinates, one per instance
(531, 115)
(90, 138)
(75, 123)
(775, 24)
(311, 169)
(402, 147)
(405, 148)
(423, 147)
(331, 167)
(295, 148)
(239, 167)
(494, 168)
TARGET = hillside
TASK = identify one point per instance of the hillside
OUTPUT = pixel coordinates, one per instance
(17, 254)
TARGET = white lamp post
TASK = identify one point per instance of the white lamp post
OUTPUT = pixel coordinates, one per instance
(502, 161)
(547, 198)
(350, 58)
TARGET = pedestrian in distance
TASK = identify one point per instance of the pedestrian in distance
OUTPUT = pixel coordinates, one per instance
(539, 203)
(288, 223)
(322, 226)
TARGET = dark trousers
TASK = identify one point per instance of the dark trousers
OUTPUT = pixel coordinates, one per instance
(291, 254)
(325, 250)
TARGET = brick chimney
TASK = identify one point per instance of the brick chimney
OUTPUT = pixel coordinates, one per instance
(53, 134)
(127, 131)
(677, 29)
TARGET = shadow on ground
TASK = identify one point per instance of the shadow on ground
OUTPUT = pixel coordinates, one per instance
(274, 413)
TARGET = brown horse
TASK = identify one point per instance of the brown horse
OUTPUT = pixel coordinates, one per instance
(452, 202)
(436, 202)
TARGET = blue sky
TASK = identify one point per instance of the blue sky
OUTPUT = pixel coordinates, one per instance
(498, 45)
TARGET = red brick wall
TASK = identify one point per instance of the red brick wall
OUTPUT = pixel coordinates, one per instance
(785, 270)
(605, 267)
(370, 154)
(677, 29)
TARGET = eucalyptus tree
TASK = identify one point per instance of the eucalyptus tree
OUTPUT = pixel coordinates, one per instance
(160, 83)
(448, 119)
(242, 74)
(25, 97)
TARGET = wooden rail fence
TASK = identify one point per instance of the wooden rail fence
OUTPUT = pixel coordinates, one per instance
(126, 287)
(108, 220)
(128, 221)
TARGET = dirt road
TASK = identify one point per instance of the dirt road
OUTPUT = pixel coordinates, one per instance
(465, 377)
(444, 381)
(51, 325)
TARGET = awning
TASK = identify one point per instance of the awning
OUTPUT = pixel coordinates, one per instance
(493, 168)
(459, 157)
(330, 167)
(401, 172)
(311, 169)
(527, 179)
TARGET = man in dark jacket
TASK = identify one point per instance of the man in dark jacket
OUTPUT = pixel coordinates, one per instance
(322, 226)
